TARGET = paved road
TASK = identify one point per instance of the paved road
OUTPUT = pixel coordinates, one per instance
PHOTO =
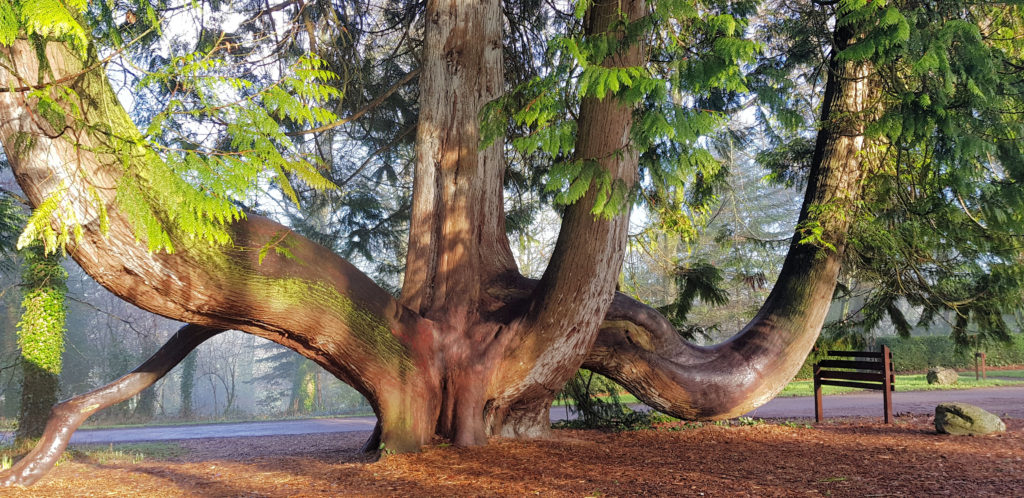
(240, 429)
(1003, 401)
(999, 400)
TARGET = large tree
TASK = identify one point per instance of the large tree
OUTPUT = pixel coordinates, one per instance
(470, 348)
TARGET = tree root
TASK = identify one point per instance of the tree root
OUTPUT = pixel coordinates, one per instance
(67, 416)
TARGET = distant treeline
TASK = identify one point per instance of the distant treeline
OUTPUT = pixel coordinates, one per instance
(920, 353)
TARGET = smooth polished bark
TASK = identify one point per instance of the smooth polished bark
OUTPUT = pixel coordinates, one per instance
(67, 416)
(641, 350)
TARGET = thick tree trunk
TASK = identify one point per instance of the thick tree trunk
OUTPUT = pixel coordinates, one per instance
(457, 240)
(641, 350)
(576, 289)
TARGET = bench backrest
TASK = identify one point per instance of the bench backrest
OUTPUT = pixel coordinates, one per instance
(866, 370)
(870, 370)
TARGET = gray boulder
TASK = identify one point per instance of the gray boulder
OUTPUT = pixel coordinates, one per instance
(942, 376)
(966, 420)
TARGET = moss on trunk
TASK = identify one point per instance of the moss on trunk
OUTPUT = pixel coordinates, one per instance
(41, 338)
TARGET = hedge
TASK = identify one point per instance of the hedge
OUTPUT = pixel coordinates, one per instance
(920, 353)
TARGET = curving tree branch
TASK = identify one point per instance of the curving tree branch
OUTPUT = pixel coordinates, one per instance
(300, 294)
(67, 416)
(641, 350)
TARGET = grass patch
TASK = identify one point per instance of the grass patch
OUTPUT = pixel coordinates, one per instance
(1014, 374)
(127, 452)
(917, 382)
(99, 454)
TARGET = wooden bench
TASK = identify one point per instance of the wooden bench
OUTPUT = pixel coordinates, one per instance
(867, 370)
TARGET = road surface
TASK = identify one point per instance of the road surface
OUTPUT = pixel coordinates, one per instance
(1003, 401)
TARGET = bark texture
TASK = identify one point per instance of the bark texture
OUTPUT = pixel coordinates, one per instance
(471, 348)
(573, 295)
(641, 350)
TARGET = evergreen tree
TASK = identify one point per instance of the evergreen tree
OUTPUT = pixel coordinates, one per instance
(41, 338)
(939, 228)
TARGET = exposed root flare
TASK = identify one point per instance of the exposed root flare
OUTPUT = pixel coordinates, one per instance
(67, 416)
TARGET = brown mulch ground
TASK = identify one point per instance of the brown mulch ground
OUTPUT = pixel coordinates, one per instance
(854, 457)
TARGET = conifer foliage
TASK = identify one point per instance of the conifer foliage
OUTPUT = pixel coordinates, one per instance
(913, 107)
(938, 232)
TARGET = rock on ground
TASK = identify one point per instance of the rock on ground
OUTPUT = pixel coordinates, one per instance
(942, 376)
(966, 420)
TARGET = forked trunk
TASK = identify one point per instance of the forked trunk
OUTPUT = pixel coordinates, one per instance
(501, 361)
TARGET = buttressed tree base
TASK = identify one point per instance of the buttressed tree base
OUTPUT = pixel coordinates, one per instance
(471, 348)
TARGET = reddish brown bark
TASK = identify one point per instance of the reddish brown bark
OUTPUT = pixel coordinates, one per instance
(567, 305)
(640, 349)
(471, 348)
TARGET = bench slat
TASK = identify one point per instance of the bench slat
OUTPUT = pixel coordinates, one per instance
(866, 370)
(858, 385)
(844, 375)
(859, 365)
(856, 354)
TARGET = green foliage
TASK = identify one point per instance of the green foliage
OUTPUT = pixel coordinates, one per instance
(201, 186)
(941, 222)
(596, 404)
(41, 328)
(179, 185)
(942, 225)
(671, 119)
(12, 219)
(749, 421)
(44, 19)
(699, 280)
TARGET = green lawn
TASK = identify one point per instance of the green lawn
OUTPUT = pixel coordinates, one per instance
(916, 382)
(1016, 374)
(911, 383)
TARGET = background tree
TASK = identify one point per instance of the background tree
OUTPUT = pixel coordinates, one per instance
(937, 233)
(41, 338)
(188, 382)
